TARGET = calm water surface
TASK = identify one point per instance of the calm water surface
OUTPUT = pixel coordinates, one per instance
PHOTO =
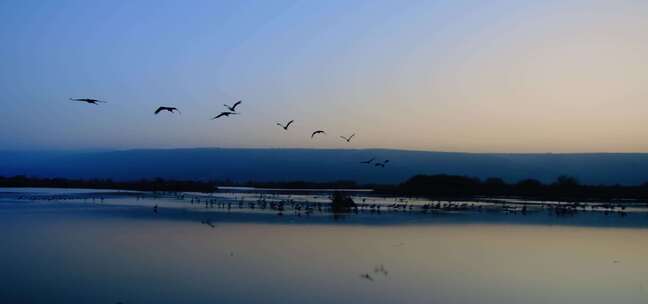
(118, 250)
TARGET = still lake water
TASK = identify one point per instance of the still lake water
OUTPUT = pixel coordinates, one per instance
(117, 250)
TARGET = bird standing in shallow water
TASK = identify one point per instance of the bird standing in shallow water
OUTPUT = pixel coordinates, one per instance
(88, 100)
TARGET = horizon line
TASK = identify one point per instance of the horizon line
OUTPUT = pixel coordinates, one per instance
(107, 150)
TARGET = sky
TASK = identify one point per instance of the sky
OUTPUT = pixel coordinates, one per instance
(471, 76)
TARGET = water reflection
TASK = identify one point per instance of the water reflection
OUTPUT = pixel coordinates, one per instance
(120, 251)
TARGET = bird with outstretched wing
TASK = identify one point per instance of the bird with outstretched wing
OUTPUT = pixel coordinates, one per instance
(225, 114)
(348, 139)
(88, 100)
(285, 127)
(233, 107)
(170, 109)
(317, 132)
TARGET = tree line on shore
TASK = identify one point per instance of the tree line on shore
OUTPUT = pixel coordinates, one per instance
(563, 188)
(156, 184)
(450, 186)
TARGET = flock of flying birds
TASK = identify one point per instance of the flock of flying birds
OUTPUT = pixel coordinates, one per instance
(231, 110)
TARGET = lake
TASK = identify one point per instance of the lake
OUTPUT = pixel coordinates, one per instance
(94, 246)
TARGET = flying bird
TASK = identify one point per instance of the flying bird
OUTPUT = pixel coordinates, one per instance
(88, 100)
(285, 127)
(348, 139)
(233, 108)
(382, 165)
(170, 109)
(226, 114)
(317, 132)
(368, 161)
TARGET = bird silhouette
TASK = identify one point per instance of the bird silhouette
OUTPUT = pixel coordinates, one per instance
(208, 222)
(285, 127)
(170, 109)
(317, 132)
(382, 165)
(368, 161)
(381, 269)
(88, 100)
(233, 108)
(348, 139)
(367, 276)
(226, 114)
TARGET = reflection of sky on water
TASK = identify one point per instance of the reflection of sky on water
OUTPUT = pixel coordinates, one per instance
(120, 251)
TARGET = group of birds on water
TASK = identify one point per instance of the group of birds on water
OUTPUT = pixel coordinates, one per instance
(285, 204)
(231, 110)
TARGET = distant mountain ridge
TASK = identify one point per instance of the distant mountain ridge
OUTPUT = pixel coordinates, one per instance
(322, 165)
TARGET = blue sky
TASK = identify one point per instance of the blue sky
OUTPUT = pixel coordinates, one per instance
(477, 76)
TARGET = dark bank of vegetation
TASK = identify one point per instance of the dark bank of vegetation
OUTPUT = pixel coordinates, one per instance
(160, 184)
(565, 188)
(157, 184)
(305, 185)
